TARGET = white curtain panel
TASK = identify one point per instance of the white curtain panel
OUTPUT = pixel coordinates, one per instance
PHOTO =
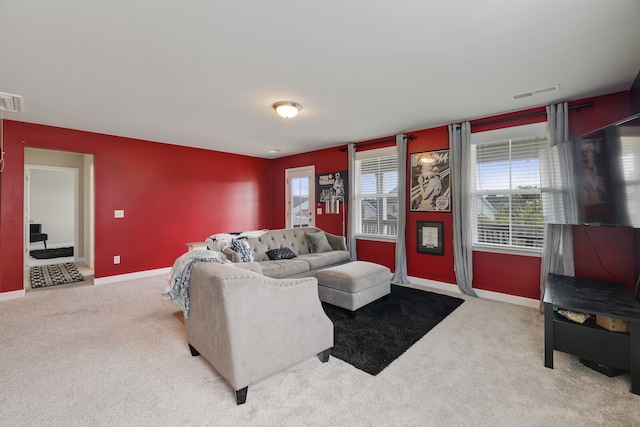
(400, 274)
(460, 154)
(351, 219)
(557, 249)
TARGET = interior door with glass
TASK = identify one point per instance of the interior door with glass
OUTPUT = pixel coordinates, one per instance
(300, 198)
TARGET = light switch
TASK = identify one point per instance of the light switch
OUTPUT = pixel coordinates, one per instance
(116, 259)
(118, 213)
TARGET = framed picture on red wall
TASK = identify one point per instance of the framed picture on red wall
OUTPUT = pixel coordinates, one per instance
(331, 190)
(430, 182)
(430, 237)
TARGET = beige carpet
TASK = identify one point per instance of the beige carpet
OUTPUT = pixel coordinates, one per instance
(116, 355)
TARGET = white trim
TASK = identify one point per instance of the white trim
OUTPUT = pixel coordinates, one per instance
(377, 238)
(507, 250)
(131, 276)
(6, 296)
(490, 295)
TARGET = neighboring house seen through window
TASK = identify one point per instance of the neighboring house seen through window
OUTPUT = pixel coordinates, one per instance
(505, 188)
(376, 192)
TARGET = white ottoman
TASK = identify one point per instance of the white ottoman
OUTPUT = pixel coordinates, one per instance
(353, 285)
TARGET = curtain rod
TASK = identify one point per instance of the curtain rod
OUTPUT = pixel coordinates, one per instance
(365, 144)
(522, 116)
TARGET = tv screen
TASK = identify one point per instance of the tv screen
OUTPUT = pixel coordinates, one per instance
(594, 179)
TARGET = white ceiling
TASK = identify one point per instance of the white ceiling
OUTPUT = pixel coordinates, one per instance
(205, 73)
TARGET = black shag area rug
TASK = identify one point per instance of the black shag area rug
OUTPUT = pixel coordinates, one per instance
(57, 274)
(386, 328)
(51, 253)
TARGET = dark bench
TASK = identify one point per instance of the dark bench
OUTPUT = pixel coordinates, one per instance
(36, 234)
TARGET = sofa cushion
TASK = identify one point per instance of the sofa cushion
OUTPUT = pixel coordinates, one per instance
(291, 238)
(241, 246)
(354, 277)
(318, 242)
(283, 268)
(280, 253)
(325, 259)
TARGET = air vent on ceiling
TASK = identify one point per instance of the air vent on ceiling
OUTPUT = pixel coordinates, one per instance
(11, 103)
(542, 91)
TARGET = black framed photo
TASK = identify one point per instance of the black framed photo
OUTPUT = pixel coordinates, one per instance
(430, 237)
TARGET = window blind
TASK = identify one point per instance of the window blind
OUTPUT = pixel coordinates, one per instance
(376, 192)
(506, 192)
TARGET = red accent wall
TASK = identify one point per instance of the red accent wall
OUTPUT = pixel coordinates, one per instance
(605, 253)
(429, 266)
(171, 195)
(606, 109)
(383, 253)
(325, 161)
(509, 274)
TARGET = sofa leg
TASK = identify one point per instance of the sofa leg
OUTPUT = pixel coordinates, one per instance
(324, 356)
(241, 395)
(194, 352)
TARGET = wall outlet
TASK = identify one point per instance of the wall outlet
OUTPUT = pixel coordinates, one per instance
(116, 259)
(118, 213)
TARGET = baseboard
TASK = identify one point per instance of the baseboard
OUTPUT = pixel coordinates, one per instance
(490, 295)
(6, 296)
(131, 276)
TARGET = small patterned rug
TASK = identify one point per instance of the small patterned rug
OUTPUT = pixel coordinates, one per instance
(56, 274)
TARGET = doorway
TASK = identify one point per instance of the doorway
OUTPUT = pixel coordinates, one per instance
(58, 203)
(300, 197)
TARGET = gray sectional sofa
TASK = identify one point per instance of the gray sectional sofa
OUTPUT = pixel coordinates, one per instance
(306, 263)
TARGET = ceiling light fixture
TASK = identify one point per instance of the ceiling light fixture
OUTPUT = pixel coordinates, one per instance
(287, 109)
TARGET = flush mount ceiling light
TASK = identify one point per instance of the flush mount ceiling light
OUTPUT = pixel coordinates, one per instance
(287, 109)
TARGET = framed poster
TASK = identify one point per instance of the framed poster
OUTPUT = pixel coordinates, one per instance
(331, 190)
(430, 237)
(430, 182)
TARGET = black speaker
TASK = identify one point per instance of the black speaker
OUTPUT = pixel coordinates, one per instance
(602, 368)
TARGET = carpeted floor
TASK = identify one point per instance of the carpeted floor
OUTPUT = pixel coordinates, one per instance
(386, 328)
(115, 355)
(56, 274)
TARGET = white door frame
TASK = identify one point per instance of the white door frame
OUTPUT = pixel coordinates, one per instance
(27, 204)
(300, 172)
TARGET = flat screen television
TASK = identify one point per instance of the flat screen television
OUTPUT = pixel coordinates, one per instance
(594, 179)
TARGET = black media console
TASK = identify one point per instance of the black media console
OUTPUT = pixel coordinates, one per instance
(588, 340)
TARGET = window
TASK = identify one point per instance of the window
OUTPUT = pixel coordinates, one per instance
(505, 188)
(300, 192)
(630, 151)
(376, 192)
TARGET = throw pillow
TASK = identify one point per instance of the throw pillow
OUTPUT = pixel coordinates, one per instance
(280, 253)
(241, 246)
(318, 242)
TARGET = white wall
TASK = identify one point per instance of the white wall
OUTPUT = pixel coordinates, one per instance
(52, 203)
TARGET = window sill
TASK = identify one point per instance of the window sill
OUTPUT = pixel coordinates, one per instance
(389, 239)
(533, 252)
